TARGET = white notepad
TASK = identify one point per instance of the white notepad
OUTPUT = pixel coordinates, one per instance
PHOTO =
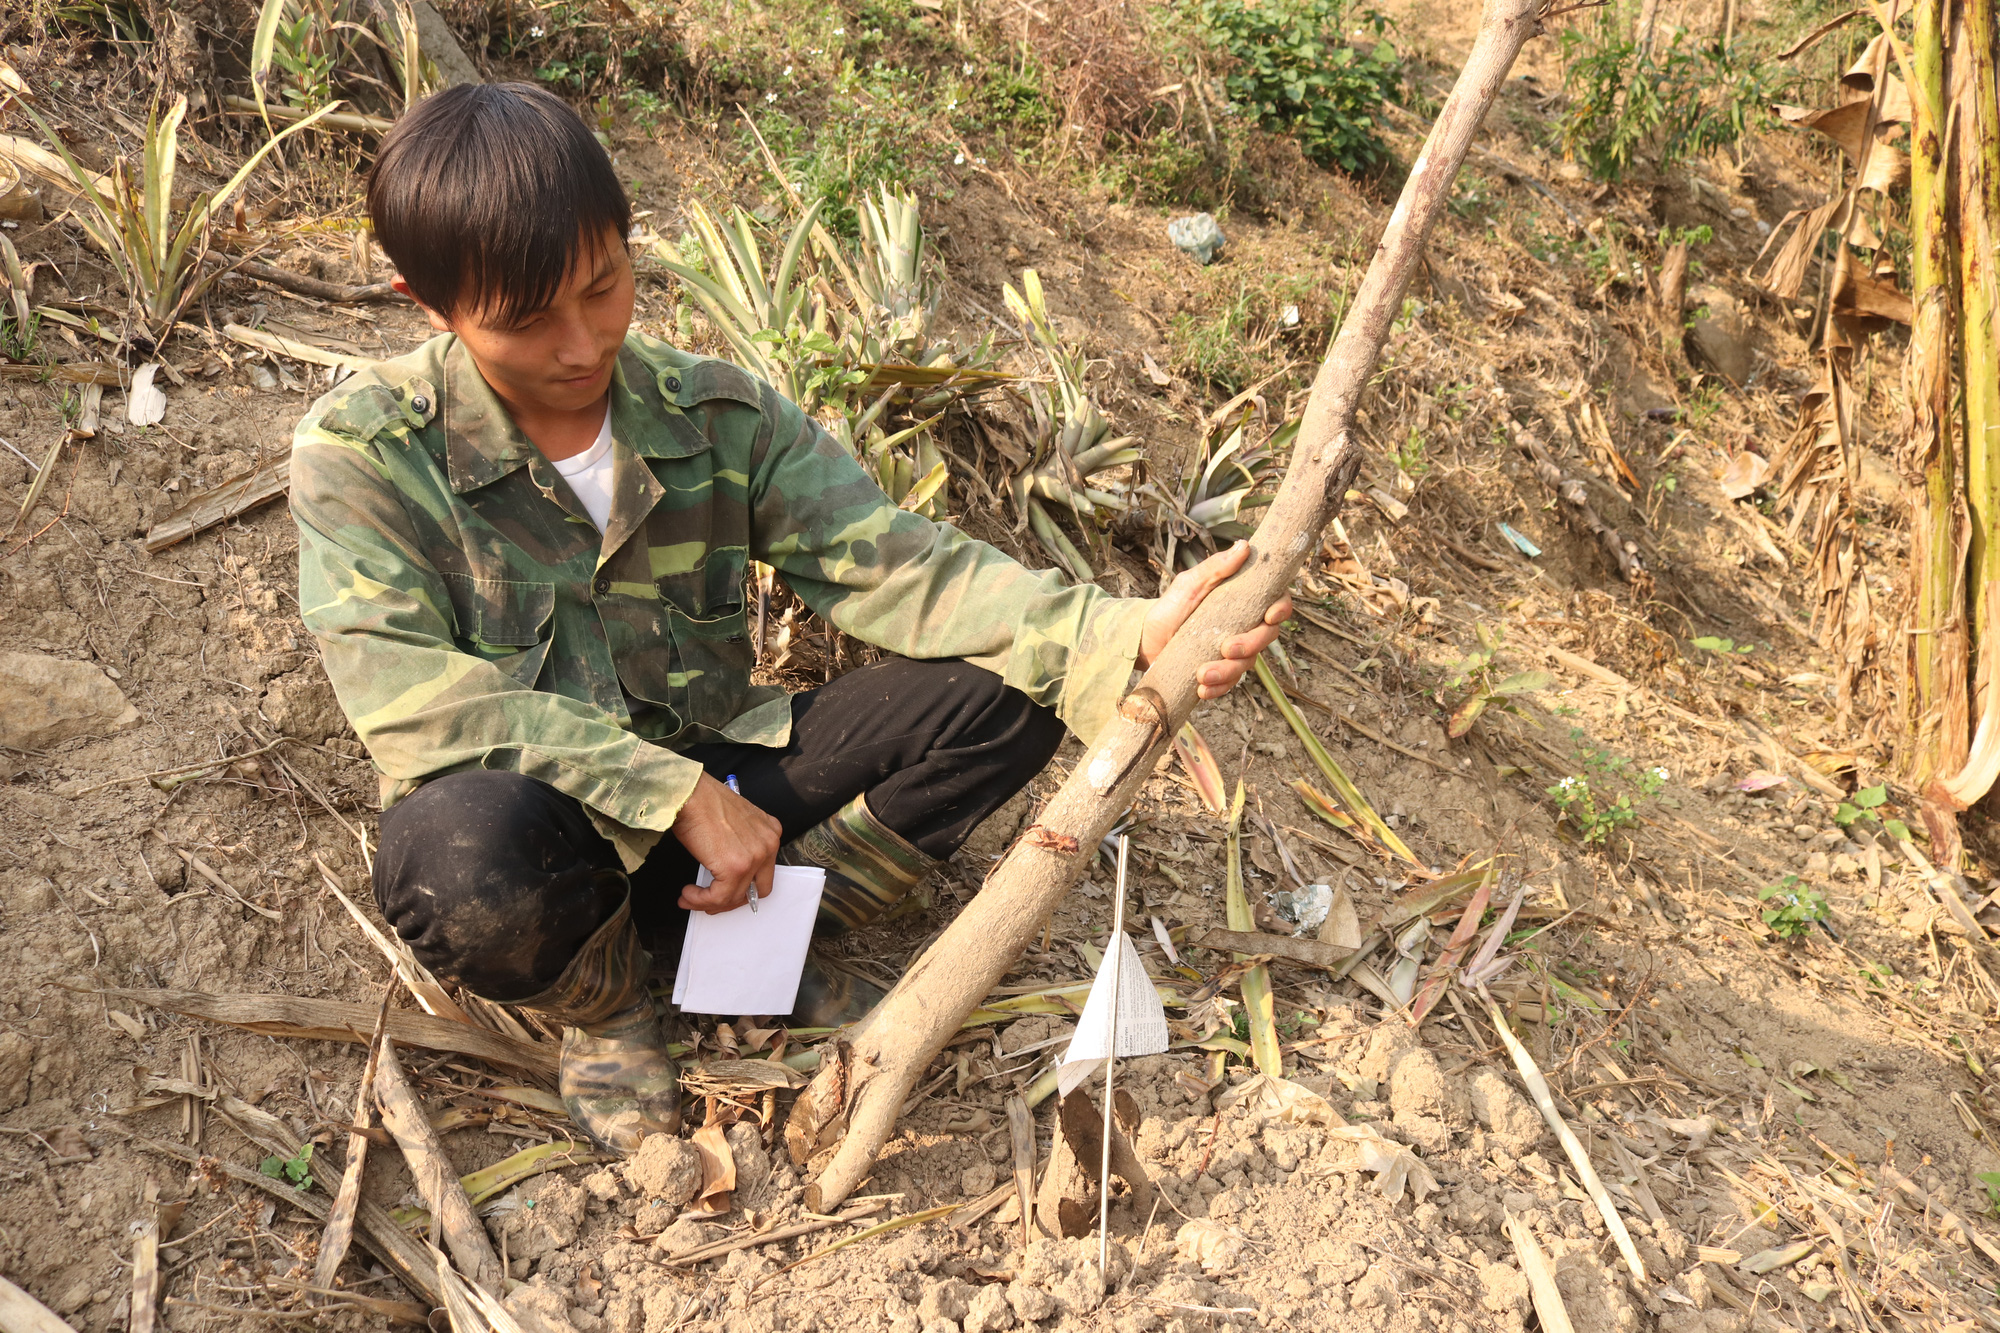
(745, 962)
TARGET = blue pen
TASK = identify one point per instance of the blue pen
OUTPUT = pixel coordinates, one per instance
(730, 782)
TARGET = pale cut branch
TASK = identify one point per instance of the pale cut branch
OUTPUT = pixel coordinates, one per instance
(437, 1180)
(898, 1040)
(339, 1231)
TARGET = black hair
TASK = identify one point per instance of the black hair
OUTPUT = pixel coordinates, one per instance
(488, 195)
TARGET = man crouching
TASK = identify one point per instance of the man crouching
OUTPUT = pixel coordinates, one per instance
(523, 549)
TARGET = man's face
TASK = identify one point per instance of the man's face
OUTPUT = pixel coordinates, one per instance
(558, 358)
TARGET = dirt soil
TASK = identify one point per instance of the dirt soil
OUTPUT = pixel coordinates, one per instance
(1740, 1093)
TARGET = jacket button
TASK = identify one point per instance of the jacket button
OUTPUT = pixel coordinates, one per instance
(672, 384)
(602, 586)
(420, 404)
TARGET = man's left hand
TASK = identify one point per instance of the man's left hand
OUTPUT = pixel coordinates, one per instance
(1183, 595)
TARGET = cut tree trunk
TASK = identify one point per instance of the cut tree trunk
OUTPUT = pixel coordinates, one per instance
(896, 1042)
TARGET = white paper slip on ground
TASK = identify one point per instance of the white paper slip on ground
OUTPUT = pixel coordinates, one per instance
(745, 962)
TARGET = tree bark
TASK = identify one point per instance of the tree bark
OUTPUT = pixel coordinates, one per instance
(896, 1043)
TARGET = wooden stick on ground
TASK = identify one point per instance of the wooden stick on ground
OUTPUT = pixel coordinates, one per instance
(337, 292)
(464, 1234)
(339, 1231)
(146, 1278)
(22, 1313)
(1021, 1129)
(896, 1042)
(1586, 1172)
(336, 1020)
(1541, 1275)
(722, 1247)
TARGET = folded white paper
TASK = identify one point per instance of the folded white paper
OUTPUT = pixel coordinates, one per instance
(1142, 1022)
(745, 962)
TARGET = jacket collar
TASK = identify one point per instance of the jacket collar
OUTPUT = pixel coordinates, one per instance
(482, 443)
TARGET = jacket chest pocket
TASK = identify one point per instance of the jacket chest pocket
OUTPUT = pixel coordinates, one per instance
(504, 622)
(709, 655)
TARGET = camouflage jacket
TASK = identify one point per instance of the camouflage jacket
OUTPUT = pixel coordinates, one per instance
(470, 614)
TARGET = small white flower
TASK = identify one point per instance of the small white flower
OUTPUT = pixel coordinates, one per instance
(534, 32)
(952, 105)
(1569, 786)
(770, 97)
(840, 32)
(958, 159)
(788, 71)
(979, 161)
(968, 69)
(1661, 773)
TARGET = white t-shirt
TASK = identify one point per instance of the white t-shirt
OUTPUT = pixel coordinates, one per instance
(589, 475)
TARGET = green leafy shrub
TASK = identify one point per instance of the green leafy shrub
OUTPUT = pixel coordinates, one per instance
(1680, 99)
(1315, 69)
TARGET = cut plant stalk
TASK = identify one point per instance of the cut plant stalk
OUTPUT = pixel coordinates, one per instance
(1255, 984)
(865, 1091)
(1586, 1172)
(451, 1211)
(339, 1232)
(1202, 770)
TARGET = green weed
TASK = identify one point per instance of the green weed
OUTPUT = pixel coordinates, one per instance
(295, 1170)
(1709, 643)
(1595, 817)
(1793, 907)
(1864, 808)
(568, 43)
(1410, 455)
(313, 52)
(1477, 671)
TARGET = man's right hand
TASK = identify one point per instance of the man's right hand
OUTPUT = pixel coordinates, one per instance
(734, 839)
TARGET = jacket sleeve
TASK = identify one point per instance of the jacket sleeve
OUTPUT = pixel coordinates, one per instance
(925, 589)
(422, 705)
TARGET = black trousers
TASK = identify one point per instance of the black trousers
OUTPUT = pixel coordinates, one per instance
(495, 880)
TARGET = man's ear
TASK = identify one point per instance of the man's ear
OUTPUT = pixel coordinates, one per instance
(438, 322)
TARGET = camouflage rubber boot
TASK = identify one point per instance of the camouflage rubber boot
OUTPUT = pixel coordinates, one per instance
(616, 1079)
(872, 873)
(831, 998)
